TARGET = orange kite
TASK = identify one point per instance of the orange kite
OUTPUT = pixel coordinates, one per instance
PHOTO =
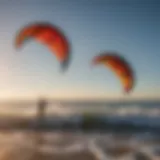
(119, 66)
(49, 35)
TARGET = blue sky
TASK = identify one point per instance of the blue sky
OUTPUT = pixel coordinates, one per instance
(128, 27)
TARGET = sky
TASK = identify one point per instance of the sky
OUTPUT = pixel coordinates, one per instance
(132, 28)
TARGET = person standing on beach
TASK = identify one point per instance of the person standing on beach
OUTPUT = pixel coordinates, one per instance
(41, 108)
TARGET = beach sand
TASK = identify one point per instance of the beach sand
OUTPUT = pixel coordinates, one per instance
(24, 153)
(22, 146)
(72, 156)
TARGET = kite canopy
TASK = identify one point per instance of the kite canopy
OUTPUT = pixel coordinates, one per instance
(48, 35)
(119, 66)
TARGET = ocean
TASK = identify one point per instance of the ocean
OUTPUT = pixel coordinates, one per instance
(115, 131)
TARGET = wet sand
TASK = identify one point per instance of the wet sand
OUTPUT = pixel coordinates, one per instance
(25, 146)
(24, 153)
(71, 156)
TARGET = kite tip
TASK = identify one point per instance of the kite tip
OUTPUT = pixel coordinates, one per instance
(64, 66)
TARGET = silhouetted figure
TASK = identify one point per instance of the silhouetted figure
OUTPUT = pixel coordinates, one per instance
(42, 104)
(41, 108)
